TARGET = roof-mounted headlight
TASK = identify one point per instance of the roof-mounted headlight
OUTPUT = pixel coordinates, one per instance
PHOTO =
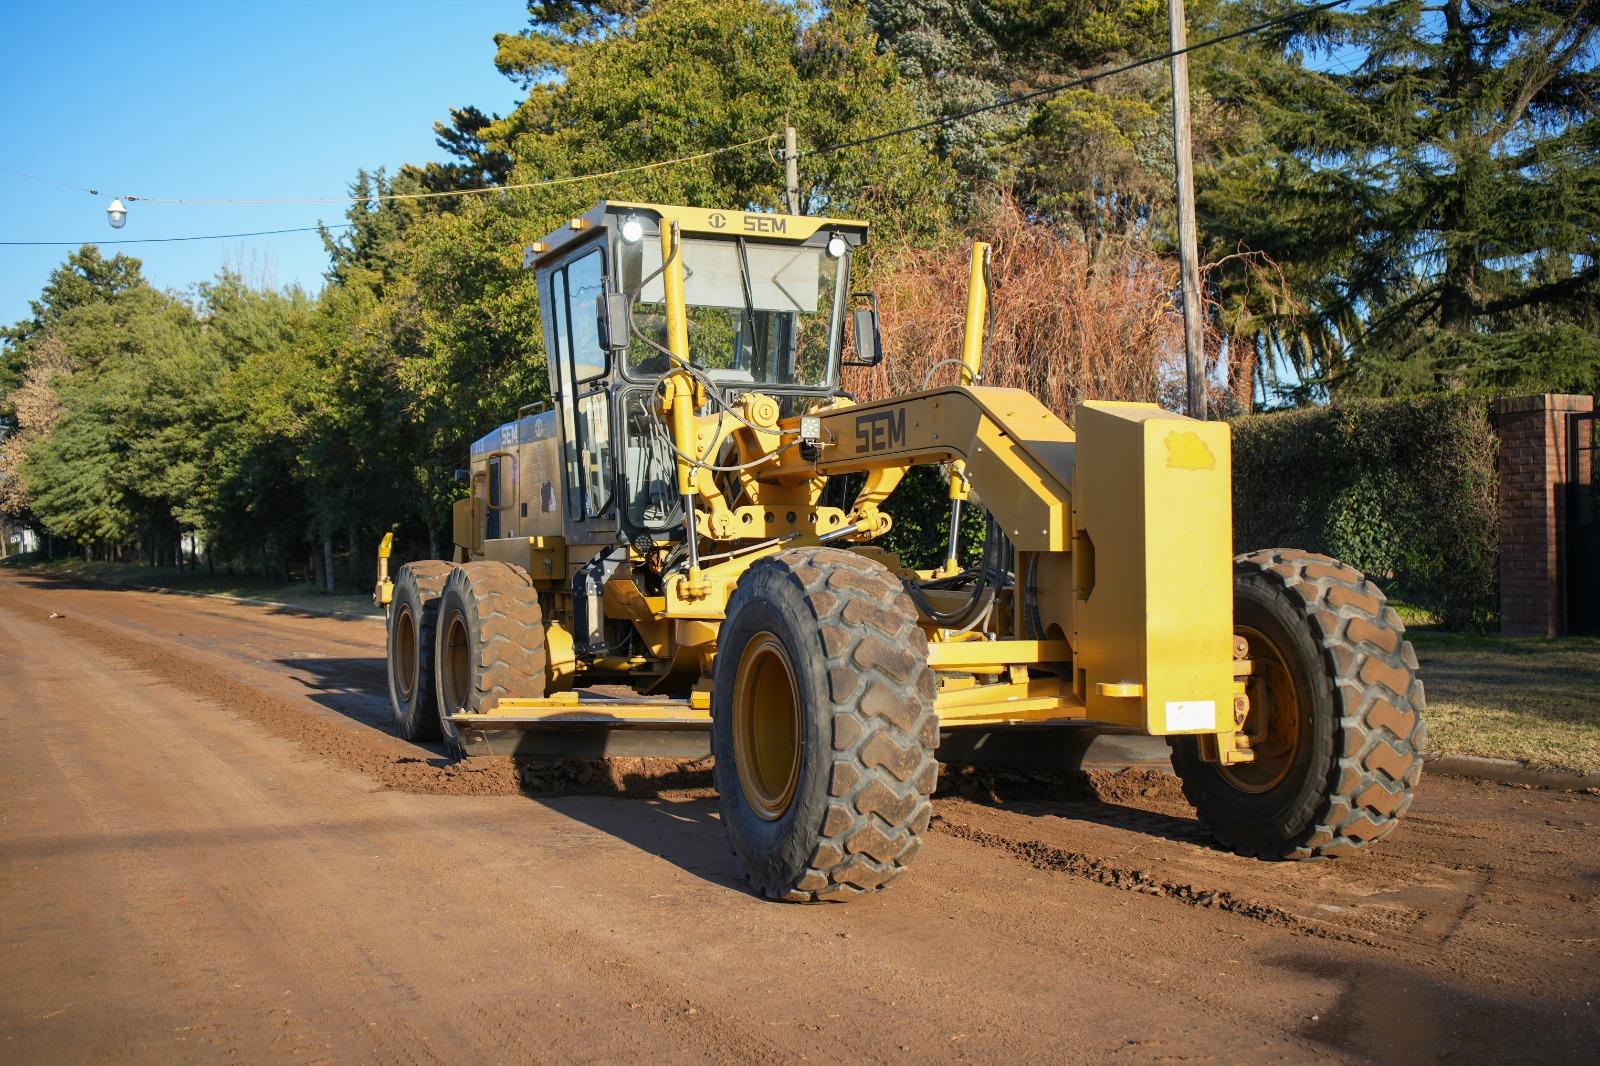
(632, 229)
(836, 246)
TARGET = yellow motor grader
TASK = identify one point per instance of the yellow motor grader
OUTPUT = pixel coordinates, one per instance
(679, 555)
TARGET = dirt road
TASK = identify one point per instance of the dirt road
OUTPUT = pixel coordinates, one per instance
(213, 848)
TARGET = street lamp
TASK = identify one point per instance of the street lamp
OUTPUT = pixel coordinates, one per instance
(116, 214)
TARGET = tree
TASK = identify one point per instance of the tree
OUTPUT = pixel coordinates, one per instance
(34, 361)
(1428, 172)
(1096, 161)
(614, 85)
(252, 489)
(122, 459)
(537, 58)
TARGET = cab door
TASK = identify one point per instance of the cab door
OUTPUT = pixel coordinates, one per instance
(570, 292)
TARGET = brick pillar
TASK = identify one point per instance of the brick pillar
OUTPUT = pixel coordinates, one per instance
(1534, 461)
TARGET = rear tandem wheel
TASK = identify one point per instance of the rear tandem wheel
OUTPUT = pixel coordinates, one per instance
(413, 619)
(491, 642)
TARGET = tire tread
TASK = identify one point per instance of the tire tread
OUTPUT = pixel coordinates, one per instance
(885, 729)
(1379, 699)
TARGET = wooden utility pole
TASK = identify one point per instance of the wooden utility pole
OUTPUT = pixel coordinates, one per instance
(1188, 253)
(791, 171)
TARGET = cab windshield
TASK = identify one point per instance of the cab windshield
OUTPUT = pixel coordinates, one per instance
(759, 313)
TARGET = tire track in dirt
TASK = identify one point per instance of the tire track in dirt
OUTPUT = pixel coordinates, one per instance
(1052, 859)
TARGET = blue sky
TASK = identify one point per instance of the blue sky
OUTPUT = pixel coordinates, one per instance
(220, 100)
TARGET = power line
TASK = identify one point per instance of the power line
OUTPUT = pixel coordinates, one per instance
(369, 199)
(50, 181)
(657, 164)
(168, 240)
(943, 120)
(446, 193)
(1077, 83)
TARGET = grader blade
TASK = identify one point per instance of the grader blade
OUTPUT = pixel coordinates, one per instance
(590, 726)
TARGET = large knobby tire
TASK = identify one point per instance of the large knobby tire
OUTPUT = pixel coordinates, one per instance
(490, 643)
(823, 726)
(1338, 683)
(413, 619)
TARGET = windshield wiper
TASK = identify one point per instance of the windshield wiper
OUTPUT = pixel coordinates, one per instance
(749, 296)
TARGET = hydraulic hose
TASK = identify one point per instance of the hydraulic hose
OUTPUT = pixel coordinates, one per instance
(991, 577)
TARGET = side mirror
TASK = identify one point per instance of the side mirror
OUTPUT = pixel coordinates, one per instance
(869, 342)
(463, 476)
(611, 320)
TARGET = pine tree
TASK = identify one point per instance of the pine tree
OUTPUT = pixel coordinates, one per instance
(1429, 174)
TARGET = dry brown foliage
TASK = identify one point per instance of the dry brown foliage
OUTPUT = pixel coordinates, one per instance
(1063, 325)
(38, 407)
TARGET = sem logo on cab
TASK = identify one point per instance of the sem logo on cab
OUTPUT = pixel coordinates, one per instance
(765, 224)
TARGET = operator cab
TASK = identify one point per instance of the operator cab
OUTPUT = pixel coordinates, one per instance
(765, 298)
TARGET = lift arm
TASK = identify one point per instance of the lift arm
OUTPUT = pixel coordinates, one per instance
(1019, 457)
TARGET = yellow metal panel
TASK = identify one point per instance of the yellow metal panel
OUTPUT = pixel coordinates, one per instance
(539, 474)
(544, 558)
(753, 521)
(962, 654)
(560, 664)
(461, 524)
(1046, 699)
(623, 714)
(1017, 712)
(1153, 496)
(571, 707)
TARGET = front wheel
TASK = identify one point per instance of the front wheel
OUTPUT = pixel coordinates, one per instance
(823, 726)
(1335, 715)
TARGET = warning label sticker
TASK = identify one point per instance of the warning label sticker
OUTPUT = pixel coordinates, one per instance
(1187, 715)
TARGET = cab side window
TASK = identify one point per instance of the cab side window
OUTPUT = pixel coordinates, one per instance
(575, 292)
(585, 285)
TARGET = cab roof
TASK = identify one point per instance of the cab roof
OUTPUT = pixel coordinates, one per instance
(761, 225)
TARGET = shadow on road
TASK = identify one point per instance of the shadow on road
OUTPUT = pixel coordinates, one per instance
(1387, 1013)
(356, 687)
(1109, 798)
(684, 832)
(674, 813)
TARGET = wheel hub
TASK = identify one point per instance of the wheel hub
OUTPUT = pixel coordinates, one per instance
(1273, 723)
(456, 665)
(405, 652)
(767, 740)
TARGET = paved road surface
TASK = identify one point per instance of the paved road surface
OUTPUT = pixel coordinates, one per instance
(213, 848)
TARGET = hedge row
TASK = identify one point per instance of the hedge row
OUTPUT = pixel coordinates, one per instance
(1404, 490)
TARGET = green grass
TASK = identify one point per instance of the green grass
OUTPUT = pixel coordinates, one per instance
(1532, 699)
(1412, 615)
(239, 588)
